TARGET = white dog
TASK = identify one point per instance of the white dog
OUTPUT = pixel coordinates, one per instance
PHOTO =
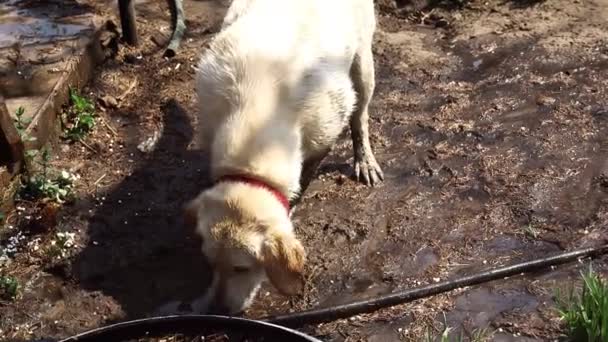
(277, 86)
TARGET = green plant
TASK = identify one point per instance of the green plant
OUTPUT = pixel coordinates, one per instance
(42, 185)
(585, 312)
(79, 119)
(481, 335)
(61, 244)
(477, 335)
(21, 123)
(30, 155)
(9, 287)
(531, 231)
(429, 336)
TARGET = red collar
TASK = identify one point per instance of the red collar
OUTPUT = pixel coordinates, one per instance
(259, 184)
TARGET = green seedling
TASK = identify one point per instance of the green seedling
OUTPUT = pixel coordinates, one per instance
(21, 123)
(482, 335)
(585, 312)
(477, 335)
(9, 287)
(79, 120)
(531, 231)
(31, 154)
(43, 186)
(430, 336)
(61, 245)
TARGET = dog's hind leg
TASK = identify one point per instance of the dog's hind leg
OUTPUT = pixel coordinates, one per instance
(362, 76)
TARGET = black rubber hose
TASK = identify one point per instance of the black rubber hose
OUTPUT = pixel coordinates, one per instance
(178, 22)
(196, 323)
(317, 316)
(127, 21)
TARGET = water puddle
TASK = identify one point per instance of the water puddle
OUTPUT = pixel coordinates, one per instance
(482, 305)
(23, 25)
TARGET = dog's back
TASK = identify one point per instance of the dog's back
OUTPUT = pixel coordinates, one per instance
(299, 31)
(278, 73)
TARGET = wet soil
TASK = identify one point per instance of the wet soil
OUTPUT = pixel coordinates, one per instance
(490, 120)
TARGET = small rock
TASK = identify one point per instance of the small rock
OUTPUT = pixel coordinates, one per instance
(149, 144)
(477, 64)
(108, 101)
(543, 100)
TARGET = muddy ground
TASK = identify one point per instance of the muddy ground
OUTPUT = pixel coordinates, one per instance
(490, 120)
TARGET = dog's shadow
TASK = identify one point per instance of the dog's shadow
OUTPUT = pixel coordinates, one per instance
(139, 252)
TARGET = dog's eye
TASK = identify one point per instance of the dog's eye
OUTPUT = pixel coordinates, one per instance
(240, 269)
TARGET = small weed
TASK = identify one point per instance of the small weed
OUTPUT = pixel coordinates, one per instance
(42, 185)
(531, 231)
(61, 245)
(429, 335)
(9, 287)
(477, 335)
(445, 335)
(21, 123)
(585, 314)
(482, 335)
(79, 119)
(30, 155)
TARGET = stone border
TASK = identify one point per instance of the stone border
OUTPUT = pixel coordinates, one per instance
(45, 125)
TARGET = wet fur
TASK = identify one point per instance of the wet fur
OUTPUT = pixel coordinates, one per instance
(277, 86)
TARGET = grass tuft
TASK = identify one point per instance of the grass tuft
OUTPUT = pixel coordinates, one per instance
(9, 287)
(585, 312)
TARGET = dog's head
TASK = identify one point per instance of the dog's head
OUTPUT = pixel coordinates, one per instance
(244, 249)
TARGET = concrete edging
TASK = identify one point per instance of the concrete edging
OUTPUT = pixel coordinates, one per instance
(45, 126)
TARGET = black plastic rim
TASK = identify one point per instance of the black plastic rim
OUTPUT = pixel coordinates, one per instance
(189, 324)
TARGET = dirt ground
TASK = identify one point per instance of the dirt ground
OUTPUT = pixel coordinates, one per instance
(490, 120)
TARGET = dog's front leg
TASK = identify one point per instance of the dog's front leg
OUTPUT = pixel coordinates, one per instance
(362, 75)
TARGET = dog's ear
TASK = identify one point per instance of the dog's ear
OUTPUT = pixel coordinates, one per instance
(283, 257)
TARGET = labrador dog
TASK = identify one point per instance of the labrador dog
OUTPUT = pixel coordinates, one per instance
(277, 86)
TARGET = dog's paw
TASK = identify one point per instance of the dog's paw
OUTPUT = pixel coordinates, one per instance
(367, 170)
